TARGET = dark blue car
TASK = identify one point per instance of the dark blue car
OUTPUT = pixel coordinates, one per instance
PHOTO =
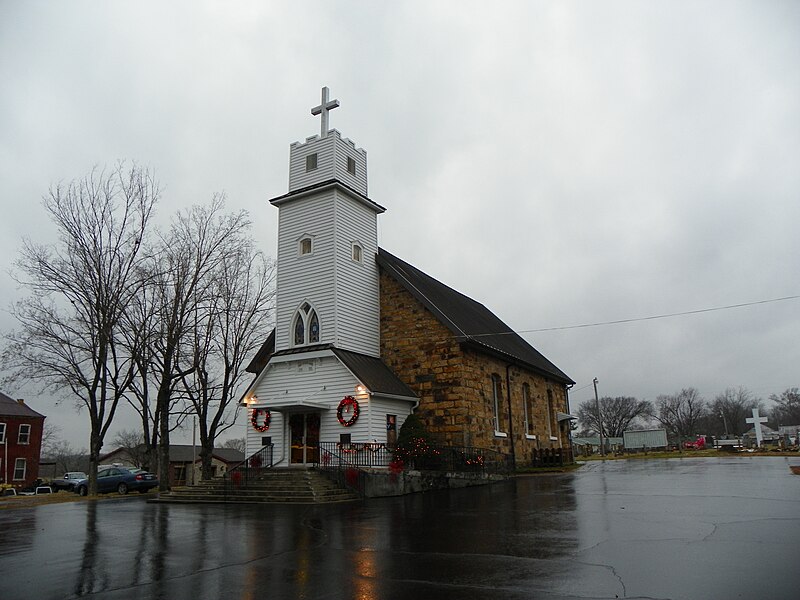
(119, 479)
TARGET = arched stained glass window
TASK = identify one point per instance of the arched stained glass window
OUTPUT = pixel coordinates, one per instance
(299, 330)
(306, 326)
(313, 328)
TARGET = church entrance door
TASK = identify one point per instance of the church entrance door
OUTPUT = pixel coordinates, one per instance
(304, 438)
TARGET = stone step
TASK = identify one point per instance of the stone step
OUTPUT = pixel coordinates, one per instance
(273, 486)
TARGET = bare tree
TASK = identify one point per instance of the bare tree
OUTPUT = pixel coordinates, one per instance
(67, 458)
(182, 276)
(132, 442)
(51, 438)
(231, 324)
(68, 336)
(618, 414)
(728, 411)
(239, 444)
(680, 413)
(787, 407)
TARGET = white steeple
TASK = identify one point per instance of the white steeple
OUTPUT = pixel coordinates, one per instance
(327, 281)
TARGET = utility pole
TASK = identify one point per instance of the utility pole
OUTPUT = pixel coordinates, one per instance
(599, 418)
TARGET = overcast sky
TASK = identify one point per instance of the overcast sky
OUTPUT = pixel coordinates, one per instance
(564, 163)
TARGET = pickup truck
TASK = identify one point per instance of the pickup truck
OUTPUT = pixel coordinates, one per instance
(67, 482)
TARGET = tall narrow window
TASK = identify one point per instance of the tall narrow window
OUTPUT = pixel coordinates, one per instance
(24, 434)
(528, 405)
(351, 166)
(19, 469)
(356, 252)
(305, 326)
(497, 394)
(550, 428)
(2, 433)
(313, 328)
(299, 330)
(391, 430)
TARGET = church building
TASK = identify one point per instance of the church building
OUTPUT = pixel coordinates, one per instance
(363, 339)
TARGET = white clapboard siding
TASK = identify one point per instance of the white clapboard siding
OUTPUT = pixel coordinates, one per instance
(307, 278)
(332, 152)
(357, 288)
(387, 406)
(275, 432)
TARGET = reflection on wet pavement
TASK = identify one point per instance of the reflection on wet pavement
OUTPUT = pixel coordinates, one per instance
(659, 529)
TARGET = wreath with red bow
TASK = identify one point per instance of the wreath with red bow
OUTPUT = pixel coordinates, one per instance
(254, 419)
(348, 406)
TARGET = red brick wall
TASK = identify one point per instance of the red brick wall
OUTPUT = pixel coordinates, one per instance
(31, 451)
(454, 383)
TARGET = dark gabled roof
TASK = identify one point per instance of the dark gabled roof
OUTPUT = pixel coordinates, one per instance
(13, 408)
(369, 370)
(470, 322)
(184, 452)
(261, 358)
(374, 374)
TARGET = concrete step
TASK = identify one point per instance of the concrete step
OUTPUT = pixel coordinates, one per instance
(274, 486)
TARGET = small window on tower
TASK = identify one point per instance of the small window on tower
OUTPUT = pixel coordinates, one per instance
(351, 166)
(311, 162)
(305, 246)
(356, 253)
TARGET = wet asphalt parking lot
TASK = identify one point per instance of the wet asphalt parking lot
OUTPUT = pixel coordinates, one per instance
(680, 528)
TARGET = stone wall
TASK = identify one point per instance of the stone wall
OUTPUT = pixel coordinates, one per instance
(454, 383)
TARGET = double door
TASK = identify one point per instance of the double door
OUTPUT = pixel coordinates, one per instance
(304, 438)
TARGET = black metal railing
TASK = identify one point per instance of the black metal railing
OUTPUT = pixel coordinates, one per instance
(338, 455)
(551, 457)
(465, 459)
(249, 469)
(335, 455)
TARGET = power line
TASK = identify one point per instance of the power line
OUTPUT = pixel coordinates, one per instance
(636, 319)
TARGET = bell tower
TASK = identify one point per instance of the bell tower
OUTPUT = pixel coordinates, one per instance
(327, 278)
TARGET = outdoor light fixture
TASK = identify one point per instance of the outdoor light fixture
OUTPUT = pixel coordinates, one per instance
(360, 389)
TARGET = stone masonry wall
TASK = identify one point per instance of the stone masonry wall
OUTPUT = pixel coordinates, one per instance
(454, 383)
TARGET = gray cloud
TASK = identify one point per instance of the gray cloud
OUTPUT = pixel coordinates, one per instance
(563, 163)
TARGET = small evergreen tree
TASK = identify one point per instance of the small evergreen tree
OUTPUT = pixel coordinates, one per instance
(413, 440)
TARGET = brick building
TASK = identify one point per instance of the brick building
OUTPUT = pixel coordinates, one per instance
(21, 430)
(362, 338)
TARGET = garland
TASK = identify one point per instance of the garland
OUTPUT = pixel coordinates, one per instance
(254, 419)
(349, 405)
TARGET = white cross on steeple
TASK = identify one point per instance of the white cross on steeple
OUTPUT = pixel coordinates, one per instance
(323, 109)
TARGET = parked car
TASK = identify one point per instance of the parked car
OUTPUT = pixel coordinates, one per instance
(67, 482)
(118, 479)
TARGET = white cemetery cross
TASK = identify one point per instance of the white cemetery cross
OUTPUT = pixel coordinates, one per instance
(757, 421)
(323, 109)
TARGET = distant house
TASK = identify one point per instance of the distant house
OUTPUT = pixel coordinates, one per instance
(21, 430)
(181, 459)
(768, 436)
(591, 445)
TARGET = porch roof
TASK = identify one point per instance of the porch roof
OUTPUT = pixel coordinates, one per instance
(289, 406)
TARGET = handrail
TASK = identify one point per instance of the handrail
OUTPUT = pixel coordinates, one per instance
(250, 468)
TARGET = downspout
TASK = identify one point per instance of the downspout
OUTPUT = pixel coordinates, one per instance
(510, 422)
(567, 388)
